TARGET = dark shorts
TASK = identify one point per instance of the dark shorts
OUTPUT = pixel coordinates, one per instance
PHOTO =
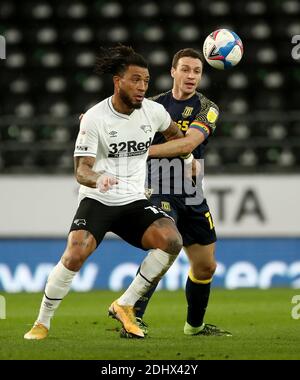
(129, 221)
(193, 222)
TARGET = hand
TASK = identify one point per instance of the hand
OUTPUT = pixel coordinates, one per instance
(105, 182)
(196, 168)
(188, 165)
(80, 117)
(148, 193)
(193, 169)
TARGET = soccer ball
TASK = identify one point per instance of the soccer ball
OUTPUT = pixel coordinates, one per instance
(223, 49)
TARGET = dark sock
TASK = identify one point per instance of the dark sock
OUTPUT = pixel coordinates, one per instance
(141, 305)
(197, 296)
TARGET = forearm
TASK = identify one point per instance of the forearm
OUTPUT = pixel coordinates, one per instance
(87, 177)
(84, 172)
(179, 147)
(174, 148)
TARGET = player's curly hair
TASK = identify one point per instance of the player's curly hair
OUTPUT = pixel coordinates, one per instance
(116, 60)
(188, 52)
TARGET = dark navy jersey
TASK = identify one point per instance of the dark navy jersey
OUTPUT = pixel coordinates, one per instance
(196, 112)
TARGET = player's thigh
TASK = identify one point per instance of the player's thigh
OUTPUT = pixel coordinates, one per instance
(163, 234)
(92, 220)
(196, 226)
(139, 222)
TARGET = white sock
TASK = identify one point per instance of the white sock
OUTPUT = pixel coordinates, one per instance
(154, 266)
(57, 287)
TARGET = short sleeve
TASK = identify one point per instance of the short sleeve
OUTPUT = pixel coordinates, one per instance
(163, 118)
(87, 139)
(205, 121)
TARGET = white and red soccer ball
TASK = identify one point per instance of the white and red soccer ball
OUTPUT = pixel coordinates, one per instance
(223, 49)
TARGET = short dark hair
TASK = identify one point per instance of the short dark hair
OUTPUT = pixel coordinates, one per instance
(116, 60)
(188, 52)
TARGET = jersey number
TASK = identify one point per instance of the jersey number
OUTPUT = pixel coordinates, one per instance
(183, 125)
(157, 210)
(210, 221)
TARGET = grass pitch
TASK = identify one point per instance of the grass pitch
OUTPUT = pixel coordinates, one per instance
(260, 321)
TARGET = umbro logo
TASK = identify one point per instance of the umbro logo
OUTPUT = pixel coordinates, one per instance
(146, 128)
(79, 222)
(113, 133)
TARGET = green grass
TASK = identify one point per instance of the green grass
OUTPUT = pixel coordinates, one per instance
(260, 321)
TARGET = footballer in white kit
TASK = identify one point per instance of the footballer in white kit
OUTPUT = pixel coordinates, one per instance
(110, 165)
(119, 143)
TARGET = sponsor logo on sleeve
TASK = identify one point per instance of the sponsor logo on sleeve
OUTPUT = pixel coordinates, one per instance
(81, 148)
(212, 114)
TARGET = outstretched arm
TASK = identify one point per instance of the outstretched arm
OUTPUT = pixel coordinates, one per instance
(180, 145)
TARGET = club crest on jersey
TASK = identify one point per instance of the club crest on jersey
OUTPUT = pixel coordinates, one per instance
(187, 111)
(146, 128)
(166, 206)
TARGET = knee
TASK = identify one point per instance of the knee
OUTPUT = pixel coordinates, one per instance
(171, 243)
(76, 253)
(164, 235)
(204, 272)
(72, 260)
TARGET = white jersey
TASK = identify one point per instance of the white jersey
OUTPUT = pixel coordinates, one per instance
(120, 146)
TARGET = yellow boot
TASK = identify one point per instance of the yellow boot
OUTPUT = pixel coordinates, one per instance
(37, 332)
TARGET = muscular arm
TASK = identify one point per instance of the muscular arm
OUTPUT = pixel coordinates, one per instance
(84, 173)
(179, 145)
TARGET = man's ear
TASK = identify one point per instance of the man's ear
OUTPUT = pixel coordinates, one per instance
(116, 80)
(172, 72)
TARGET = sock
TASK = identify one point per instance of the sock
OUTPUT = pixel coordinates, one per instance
(197, 295)
(141, 305)
(154, 266)
(57, 287)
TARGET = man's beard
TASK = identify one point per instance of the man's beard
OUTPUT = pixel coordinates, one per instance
(126, 100)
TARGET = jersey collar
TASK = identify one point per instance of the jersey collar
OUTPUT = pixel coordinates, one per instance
(122, 115)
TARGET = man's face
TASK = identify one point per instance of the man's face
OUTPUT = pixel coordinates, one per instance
(132, 86)
(187, 74)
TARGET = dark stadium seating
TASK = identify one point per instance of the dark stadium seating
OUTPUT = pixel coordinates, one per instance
(47, 79)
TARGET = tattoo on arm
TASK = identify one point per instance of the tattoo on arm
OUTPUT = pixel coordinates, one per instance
(84, 172)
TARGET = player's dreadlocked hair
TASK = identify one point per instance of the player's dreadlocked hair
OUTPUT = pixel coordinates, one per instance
(117, 59)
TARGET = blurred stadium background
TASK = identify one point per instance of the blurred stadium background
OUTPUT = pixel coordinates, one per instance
(252, 163)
